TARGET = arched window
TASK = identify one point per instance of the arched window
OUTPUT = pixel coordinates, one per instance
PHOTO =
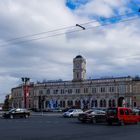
(94, 103)
(62, 103)
(104, 103)
(47, 103)
(70, 103)
(78, 103)
(135, 104)
(110, 104)
(113, 103)
(101, 103)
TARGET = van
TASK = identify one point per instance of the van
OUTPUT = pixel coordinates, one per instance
(121, 115)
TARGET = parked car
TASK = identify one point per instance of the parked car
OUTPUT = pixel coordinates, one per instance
(137, 112)
(121, 115)
(94, 116)
(72, 113)
(71, 107)
(17, 113)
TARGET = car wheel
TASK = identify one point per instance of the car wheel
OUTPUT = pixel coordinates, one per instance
(93, 120)
(109, 123)
(137, 122)
(121, 122)
(26, 116)
(83, 121)
(11, 117)
(71, 116)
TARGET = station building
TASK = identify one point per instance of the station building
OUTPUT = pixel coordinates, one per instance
(79, 92)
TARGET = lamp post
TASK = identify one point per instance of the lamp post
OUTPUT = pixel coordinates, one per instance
(25, 81)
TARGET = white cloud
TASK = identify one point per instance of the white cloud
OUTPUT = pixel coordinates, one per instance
(106, 8)
(109, 50)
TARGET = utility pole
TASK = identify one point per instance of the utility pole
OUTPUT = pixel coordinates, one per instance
(25, 81)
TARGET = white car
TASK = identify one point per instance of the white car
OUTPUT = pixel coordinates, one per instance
(72, 113)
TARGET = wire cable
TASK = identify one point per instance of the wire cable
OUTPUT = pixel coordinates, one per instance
(63, 28)
(15, 40)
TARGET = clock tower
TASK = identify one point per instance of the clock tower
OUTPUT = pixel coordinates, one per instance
(79, 68)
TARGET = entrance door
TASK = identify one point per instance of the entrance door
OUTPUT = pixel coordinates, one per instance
(120, 101)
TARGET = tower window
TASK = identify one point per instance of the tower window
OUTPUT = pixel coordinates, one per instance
(77, 75)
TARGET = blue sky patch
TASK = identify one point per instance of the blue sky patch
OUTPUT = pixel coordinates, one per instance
(73, 4)
(132, 6)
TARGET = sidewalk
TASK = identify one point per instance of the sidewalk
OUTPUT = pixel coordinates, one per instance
(46, 113)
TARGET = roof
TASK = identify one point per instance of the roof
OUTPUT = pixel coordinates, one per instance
(78, 56)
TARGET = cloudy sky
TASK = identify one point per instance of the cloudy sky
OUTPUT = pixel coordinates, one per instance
(39, 39)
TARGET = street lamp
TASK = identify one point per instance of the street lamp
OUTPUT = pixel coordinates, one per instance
(25, 81)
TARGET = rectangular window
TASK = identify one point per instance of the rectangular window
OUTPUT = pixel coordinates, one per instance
(111, 89)
(62, 91)
(93, 90)
(85, 90)
(122, 88)
(48, 91)
(77, 75)
(40, 91)
(126, 112)
(77, 90)
(121, 112)
(102, 89)
(55, 91)
(69, 90)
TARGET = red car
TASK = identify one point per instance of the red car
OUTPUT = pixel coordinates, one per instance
(121, 115)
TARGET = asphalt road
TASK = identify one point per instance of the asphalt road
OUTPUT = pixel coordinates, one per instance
(55, 127)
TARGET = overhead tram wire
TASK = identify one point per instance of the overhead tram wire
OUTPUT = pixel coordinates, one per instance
(45, 32)
(21, 42)
(15, 40)
(63, 28)
(39, 38)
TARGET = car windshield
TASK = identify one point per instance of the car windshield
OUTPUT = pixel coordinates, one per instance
(71, 110)
(99, 112)
(11, 110)
(112, 111)
(88, 111)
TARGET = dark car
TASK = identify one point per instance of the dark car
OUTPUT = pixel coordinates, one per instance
(121, 115)
(16, 113)
(94, 116)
